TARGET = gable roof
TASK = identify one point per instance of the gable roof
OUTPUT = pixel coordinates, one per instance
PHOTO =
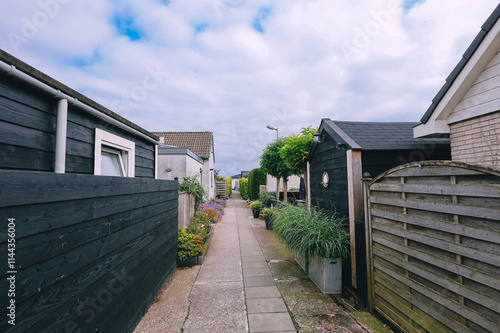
(378, 135)
(474, 56)
(200, 143)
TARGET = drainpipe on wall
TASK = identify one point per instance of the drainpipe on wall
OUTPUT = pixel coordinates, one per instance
(61, 129)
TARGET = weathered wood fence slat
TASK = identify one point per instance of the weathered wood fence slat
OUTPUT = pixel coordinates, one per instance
(433, 247)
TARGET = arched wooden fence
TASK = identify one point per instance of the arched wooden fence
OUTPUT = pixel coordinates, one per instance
(433, 247)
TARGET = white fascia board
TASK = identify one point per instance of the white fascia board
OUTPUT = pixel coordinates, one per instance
(430, 128)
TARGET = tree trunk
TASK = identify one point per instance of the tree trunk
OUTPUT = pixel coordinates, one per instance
(278, 188)
(285, 191)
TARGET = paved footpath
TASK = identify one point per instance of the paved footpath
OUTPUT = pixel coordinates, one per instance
(235, 290)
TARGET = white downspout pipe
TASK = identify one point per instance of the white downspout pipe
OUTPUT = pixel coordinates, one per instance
(61, 129)
(10, 70)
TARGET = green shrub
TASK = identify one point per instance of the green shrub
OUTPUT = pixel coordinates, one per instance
(256, 177)
(190, 245)
(266, 197)
(229, 183)
(244, 188)
(192, 185)
(312, 232)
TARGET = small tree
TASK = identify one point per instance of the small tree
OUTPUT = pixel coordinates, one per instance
(244, 188)
(296, 150)
(272, 163)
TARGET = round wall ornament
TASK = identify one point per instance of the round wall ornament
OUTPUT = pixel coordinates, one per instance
(325, 179)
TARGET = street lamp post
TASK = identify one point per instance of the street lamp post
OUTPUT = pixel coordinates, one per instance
(274, 129)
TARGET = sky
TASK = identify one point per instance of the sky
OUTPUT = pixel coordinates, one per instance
(233, 67)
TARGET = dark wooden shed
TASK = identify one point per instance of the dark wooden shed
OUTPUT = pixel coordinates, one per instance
(92, 234)
(342, 153)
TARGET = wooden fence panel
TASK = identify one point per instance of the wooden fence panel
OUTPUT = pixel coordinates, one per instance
(433, 247)
(92, 252)
(221, 189)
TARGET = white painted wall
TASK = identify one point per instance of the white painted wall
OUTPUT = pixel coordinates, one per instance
(293, 182)
(208, 179)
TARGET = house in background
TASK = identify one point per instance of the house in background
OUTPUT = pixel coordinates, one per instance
(78, 185)
(342, 154)
(293, 182)
(467, 108)
(201, 144)
(173, 162)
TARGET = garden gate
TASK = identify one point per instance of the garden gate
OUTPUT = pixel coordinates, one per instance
(433, 247)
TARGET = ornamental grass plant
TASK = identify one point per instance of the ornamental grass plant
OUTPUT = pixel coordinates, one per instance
(312, 232)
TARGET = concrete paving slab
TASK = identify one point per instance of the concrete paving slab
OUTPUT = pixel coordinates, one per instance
(247, 272)
(216, 307)
(266, 305)
(253, 259)
(259, 281)
(250, 248)
(251, 253)
(255, 264)
(220, 265)
(261, 292)
(270, 322)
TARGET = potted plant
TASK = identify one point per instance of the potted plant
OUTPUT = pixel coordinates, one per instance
(268, 214)
(256, 206)
(319, 241)
(189, 247)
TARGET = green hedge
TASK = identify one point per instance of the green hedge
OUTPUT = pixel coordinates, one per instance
(256, 177)
(244, 188)
(229, 183)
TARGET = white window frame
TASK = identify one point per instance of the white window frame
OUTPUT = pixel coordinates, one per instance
(113, 144)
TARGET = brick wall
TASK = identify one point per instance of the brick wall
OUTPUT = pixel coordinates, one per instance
(477, 140)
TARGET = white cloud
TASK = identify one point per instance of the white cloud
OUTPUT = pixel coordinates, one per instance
(346, 60)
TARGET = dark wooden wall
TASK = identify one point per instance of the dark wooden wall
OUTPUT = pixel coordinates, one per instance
(334, 161)
(92, 252)
(27, 134)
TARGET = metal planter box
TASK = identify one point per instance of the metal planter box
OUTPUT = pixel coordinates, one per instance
(326, 273)
(302, 261)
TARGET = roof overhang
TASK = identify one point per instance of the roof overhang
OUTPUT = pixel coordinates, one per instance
(439, 116)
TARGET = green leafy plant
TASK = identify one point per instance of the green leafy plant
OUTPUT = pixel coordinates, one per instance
(192, 185)
(200, 228)
(256, 177)
(189, 245)
(266, 198)
(267, 213)
(296, 151)
(244, 188)
(272, 163)
(256, 205)
(312, 232)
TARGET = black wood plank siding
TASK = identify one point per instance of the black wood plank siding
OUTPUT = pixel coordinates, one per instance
(92, 252)
(334, 161)
(28, 127)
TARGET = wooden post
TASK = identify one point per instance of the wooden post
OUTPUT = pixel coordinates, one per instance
(355, 197)
(368, 237)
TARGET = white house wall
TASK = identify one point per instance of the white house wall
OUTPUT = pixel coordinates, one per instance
(179, 165)
(484, 95)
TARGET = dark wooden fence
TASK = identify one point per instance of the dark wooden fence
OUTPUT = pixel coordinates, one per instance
(434, 247)
(91, 252)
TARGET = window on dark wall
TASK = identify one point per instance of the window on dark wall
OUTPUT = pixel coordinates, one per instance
(114, 155)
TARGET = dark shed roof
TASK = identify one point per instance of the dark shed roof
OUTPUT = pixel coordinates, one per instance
(485, 28)
(379, 135)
